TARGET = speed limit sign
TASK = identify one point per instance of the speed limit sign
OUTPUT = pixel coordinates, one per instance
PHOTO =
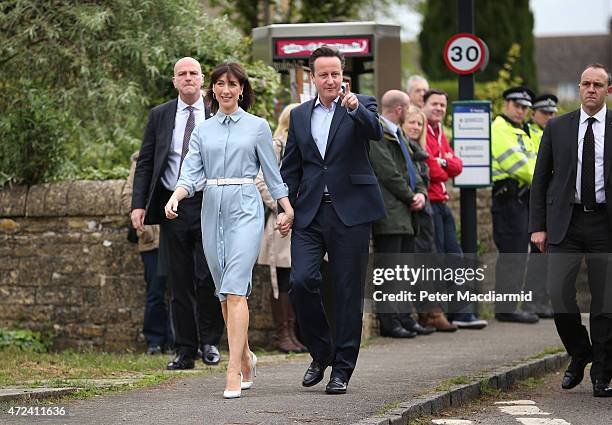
(465, 53)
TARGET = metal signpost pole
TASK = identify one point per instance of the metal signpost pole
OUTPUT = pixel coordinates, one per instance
(469, 225)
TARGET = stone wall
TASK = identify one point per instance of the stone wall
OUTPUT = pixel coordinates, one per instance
(483, 216)
(66, 266)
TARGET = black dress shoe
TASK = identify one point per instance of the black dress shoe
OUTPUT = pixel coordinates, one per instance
(400, 332)
(314, 374)
(575, 372)
(210, 354)
(336, 386)
(601, 388)
(421, 330)
(181, 362)
(517, 316)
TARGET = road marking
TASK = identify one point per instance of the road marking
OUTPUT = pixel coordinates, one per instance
(451, 422)
(542, 421)
(527, 407)
(522, 410)
(516, 402)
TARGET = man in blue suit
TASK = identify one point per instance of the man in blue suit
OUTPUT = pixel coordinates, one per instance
(336, 198)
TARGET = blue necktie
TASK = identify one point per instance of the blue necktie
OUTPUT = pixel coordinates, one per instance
(409, 164)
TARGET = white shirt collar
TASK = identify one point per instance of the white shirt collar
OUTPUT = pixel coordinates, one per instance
(318, 102)
(392, 126)
(198, 105)
(599, 116)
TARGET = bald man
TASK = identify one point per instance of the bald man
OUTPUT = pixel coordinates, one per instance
(404, 194)
(196, 314)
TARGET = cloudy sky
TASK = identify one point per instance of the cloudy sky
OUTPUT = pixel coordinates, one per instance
(552, 17)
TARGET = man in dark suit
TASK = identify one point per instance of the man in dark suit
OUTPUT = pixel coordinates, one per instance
(336, 198)
(570, 216)
(165, 144)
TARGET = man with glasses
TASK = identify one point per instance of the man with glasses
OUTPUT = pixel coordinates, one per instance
(513, 161)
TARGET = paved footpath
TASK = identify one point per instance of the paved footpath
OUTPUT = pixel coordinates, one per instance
(389, 371)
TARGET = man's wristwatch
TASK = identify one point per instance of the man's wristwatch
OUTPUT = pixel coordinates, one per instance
(443, 162)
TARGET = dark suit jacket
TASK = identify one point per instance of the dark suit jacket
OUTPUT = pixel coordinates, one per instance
(153, 160)
(346, 169)
(554, 181)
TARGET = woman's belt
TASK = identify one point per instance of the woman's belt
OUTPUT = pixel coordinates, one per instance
(230, 180)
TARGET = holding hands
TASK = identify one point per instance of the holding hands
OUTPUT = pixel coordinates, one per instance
(284, 220)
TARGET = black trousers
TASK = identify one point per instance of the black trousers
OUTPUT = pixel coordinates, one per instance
(510, 220)
(589, 236)
(536, 276)
(394, 244)
(195, 310)
(347, 248)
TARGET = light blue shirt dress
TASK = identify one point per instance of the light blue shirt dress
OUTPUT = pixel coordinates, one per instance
(232, 146)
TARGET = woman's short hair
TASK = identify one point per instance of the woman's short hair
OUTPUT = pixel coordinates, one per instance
(235, 70)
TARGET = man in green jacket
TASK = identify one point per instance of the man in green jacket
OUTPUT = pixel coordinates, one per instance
(404, 194)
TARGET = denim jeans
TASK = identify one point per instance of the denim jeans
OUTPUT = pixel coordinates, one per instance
(156, 327)
(445, 232)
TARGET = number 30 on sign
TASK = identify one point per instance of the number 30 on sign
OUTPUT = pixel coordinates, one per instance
(465, 54)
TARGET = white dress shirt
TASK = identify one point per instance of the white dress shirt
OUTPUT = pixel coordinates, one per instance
(320, 122)
(170, 176)
(599, 131)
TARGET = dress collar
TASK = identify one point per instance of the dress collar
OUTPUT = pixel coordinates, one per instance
(234, 116)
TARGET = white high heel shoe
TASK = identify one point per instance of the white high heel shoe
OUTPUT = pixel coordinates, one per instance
(245, 385)
(236, 393)
(232, 394)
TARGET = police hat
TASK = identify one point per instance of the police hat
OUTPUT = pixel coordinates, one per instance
(546, 102)
(521, 95)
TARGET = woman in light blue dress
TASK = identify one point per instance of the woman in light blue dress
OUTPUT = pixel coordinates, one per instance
(228, 150)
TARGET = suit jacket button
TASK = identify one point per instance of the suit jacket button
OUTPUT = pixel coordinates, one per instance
(325, 167)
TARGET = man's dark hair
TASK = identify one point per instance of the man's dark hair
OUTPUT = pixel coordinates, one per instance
(430, 92)
(325, 51)
(235, 70)
(600, 66)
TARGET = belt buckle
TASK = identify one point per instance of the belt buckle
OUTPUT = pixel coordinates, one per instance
(586, 210)
(222, 182)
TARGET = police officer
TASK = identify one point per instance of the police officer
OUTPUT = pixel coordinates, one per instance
(543, 109)
(513, 156)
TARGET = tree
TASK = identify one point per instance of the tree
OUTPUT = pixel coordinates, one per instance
(499, 23)
(98, 66)
(248, 14)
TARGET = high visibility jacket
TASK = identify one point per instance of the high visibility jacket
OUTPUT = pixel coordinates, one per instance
(535, 132)
(513, 153)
